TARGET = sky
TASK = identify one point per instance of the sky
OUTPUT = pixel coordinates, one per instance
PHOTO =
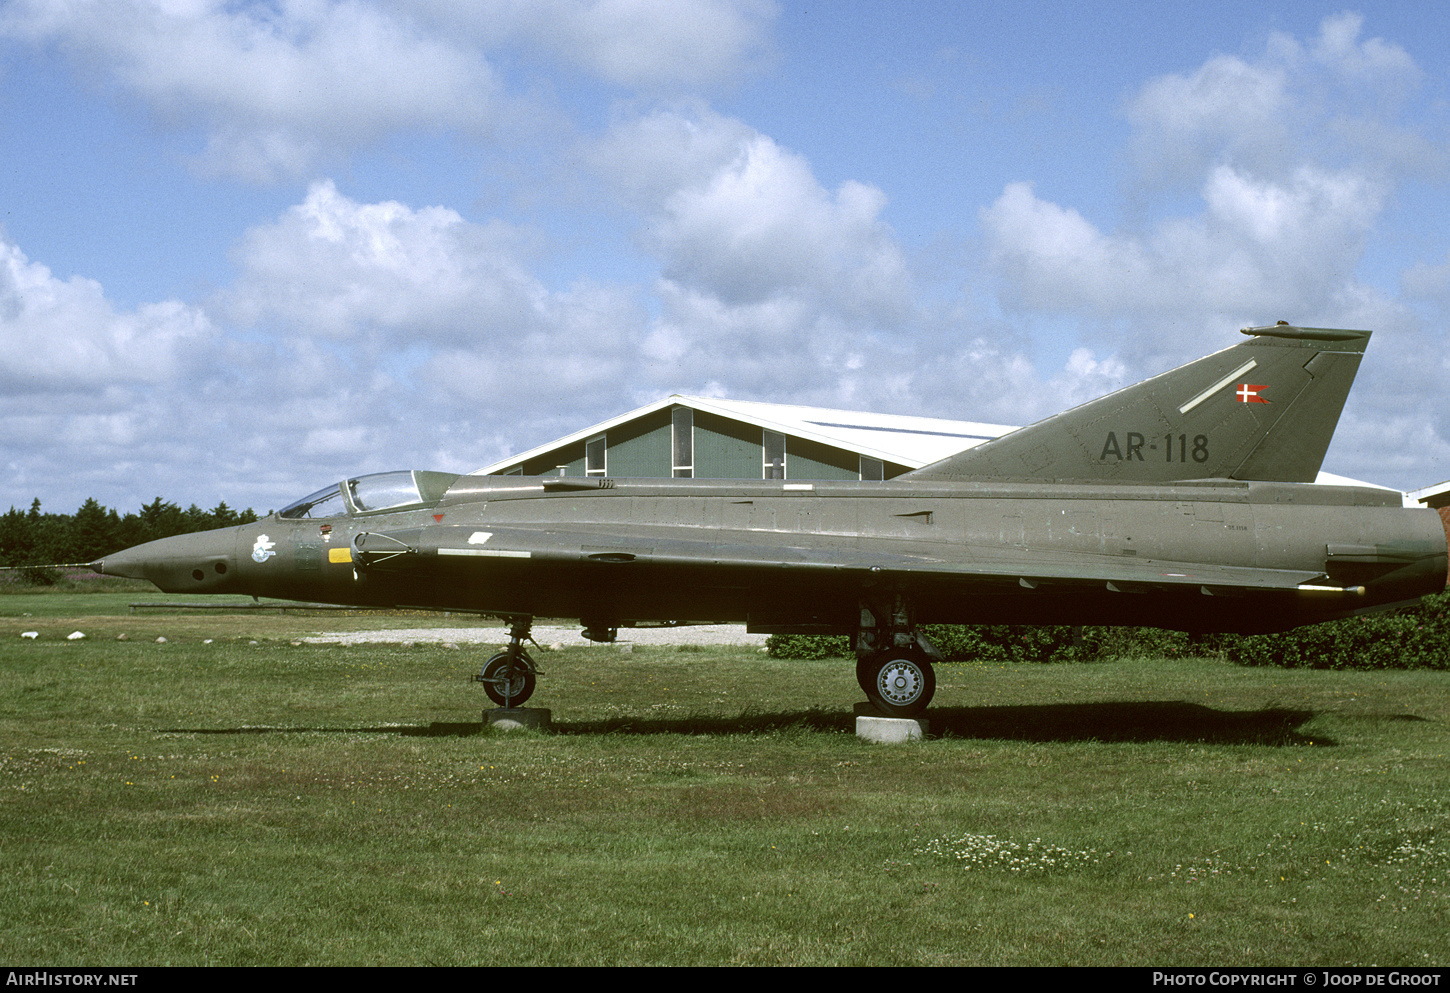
(249, 249)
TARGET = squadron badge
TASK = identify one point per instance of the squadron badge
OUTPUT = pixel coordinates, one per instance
(263, 549)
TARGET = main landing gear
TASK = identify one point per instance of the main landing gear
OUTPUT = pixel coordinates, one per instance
(893, 660)
(508, 676)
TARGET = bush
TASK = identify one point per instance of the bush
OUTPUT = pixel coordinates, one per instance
(956, 643)
(807, 646)
(1410, 638)
(1415, 637)
(1005, 643)
(39, 575)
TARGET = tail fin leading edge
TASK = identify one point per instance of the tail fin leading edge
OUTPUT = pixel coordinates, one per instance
(1264, 409)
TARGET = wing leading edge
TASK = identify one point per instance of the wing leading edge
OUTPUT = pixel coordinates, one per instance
(429, 548)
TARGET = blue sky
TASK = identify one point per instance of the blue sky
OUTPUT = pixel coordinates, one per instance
(249, 248)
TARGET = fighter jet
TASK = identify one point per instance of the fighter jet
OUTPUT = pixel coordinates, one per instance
(1184, 502)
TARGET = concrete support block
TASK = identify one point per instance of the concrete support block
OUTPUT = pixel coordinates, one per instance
(511, 718)
(890, 730)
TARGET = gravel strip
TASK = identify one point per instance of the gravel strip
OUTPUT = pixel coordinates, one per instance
(562, 637)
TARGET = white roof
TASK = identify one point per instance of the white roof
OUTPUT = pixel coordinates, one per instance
(1418, 498)
(900, 438)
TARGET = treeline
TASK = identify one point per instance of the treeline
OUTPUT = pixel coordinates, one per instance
(33, 537)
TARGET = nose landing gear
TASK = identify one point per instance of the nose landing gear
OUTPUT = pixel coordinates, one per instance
(508, 676)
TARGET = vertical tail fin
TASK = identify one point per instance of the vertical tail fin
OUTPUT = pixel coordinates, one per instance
(1263, 409)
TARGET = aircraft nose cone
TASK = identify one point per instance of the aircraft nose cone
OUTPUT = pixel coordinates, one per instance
(201, 563)
(132, 563)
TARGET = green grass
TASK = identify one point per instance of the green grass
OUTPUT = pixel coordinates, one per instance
(272, 803)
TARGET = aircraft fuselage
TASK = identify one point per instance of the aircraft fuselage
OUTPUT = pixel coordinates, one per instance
(794, 556)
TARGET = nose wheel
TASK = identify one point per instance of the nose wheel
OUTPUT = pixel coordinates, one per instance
(508, 677)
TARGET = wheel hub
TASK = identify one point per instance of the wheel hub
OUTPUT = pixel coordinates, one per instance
(900, 682)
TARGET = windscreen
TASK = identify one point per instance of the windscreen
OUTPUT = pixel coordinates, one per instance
(368, 494)
(324, 503)
(383, 490)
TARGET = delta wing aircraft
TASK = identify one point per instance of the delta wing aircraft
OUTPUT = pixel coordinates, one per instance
(1184, 502)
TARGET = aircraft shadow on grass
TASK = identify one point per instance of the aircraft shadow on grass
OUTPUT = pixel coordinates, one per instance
(1122, 721)
(1069, 722)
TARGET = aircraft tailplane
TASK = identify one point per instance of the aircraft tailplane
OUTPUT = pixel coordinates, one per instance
(1264, 409)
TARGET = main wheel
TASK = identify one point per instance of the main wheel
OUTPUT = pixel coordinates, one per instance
(898, 683)
(866, 673)
(508, 678)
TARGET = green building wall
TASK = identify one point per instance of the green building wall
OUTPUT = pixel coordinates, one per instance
(723, 449)
(812, 460)
(640, 448)
(726, 449)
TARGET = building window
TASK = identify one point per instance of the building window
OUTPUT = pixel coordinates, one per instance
(773, 445)
(872, 468)
(682, 429)
(595, 457)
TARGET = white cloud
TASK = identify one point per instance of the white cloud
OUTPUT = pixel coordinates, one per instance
(1295, 156)
(364, 335)
(1259, 248)
(1086, 377)
(1333, 97)
(273, 84)
(421, 310)
(646, 159)
(384, 336)
(63, 335)
(770, 282)
(1374, 60)
(776, 287)
(278, 86)
(762, 224)
(983, 379)
(1428, 280)
(1227, 107)
(643, 44)
(334, 267)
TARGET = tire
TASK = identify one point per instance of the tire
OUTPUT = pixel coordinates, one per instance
(515, 671)
(898, 683)
(865, 673)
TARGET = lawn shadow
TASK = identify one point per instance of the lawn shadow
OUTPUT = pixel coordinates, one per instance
(1107, 722)
(1135, 721)
(749, 722)
(437, 729)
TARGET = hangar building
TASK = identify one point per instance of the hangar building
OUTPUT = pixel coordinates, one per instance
(710, 438)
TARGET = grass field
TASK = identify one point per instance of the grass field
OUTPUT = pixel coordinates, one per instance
(255, 801)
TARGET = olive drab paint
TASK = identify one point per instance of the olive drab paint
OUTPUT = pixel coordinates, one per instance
(1185, 502)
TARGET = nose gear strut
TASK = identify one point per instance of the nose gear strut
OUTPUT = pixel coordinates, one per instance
(508, 676)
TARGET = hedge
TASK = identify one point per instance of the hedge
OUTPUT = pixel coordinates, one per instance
(1409, 638)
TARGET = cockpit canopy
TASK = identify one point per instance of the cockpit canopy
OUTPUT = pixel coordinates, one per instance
(371, 494)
